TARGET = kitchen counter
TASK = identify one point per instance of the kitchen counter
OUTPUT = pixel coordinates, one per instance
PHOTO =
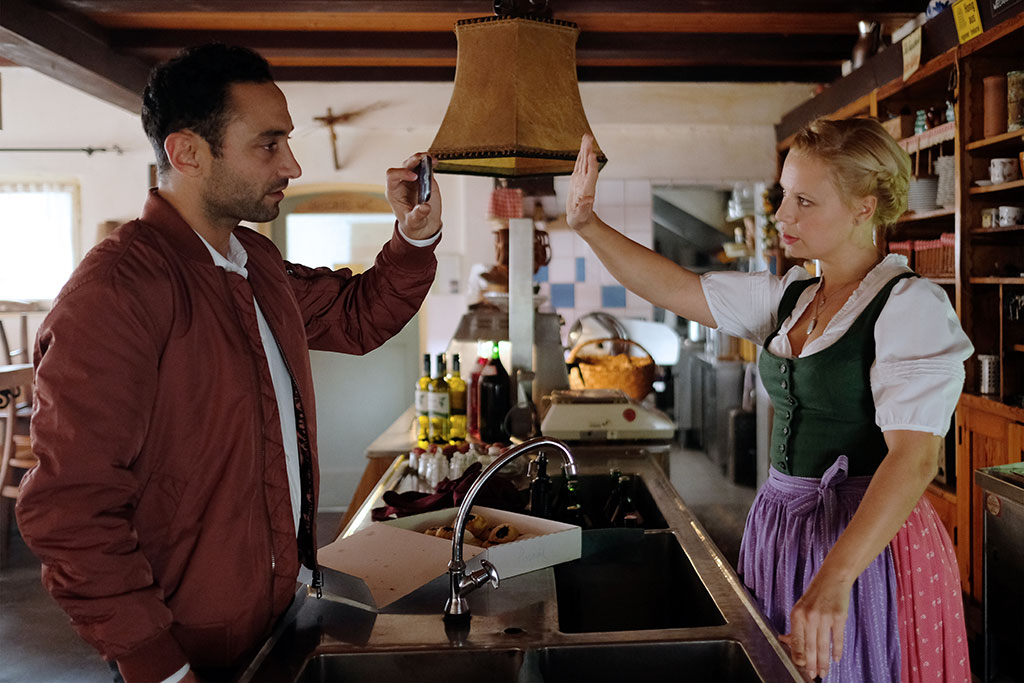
(517, 627)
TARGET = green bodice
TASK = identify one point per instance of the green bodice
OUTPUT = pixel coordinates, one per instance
(823, 402)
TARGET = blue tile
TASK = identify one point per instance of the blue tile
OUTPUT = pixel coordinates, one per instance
(541, 275)
(564, 296)
(581, 269)
(613, 296)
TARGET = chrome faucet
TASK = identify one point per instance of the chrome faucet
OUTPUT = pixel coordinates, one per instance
(461, 583)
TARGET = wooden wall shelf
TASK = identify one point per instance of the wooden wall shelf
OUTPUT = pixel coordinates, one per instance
(929, 138)
(997, 231)
(997, 280)
(1007, 142)
(987, 189)
(914, 216)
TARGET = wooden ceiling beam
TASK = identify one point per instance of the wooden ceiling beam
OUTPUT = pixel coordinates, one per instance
(481, 7)
(433, 49)
(840, 23)
(71, 51)
(708, 74)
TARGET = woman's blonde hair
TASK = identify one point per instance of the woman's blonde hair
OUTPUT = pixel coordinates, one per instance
(863, 160)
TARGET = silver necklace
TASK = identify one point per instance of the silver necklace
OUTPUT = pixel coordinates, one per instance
(820, 303)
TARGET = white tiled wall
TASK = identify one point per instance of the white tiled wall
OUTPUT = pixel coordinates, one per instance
(626, 206)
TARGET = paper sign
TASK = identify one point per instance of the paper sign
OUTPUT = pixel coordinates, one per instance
(968, 20)
(911, 53)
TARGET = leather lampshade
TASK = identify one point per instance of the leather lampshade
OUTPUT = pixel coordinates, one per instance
(516, 108)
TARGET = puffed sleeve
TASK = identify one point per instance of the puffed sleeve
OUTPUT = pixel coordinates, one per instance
(920, 350)
(746, 304)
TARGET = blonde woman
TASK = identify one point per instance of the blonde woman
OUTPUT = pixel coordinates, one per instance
(864, 366)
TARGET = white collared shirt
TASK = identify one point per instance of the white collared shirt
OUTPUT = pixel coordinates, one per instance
(920, 348)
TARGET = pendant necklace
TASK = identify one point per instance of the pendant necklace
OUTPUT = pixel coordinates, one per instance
(817, 308)
(820, 303)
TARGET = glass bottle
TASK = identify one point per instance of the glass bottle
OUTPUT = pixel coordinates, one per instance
(626, 513)
(540, 490)
(438, 405)
(473, 398)
(495, 399)
(422, 418)
(569, 509)
(614, 492)
(457, 402)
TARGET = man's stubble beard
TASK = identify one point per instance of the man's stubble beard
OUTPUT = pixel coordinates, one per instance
(228, 196)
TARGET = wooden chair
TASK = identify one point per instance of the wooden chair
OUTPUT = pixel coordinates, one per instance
(16, 346)
(16, 454)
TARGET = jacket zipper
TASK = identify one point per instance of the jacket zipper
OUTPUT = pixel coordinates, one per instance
(318, 579)
(262, 443)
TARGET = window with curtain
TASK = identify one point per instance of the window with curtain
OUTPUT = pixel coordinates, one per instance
(37, 228)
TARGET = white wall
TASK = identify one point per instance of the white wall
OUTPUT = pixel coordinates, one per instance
(653, 134)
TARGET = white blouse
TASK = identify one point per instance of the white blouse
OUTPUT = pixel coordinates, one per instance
(920, 348)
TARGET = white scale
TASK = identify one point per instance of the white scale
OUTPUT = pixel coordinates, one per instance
(602, 415)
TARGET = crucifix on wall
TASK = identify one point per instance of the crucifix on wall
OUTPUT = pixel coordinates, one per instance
(330, 120)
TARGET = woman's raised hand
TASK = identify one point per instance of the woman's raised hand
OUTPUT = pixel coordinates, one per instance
(579, 204)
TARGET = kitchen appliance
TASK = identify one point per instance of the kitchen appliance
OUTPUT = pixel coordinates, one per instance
(487, 323)
(1003, 601)
(602, 415)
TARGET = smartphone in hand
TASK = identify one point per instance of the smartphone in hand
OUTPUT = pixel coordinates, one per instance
(424, 174)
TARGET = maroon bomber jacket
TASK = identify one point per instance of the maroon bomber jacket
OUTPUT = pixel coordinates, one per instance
(160, 506)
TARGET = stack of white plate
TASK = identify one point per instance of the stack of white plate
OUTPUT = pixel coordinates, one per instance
(922, 194)
(945, 195)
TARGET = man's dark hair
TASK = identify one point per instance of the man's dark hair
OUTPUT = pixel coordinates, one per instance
(190, 92)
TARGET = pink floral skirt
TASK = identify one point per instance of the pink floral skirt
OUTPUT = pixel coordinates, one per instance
(933, 637)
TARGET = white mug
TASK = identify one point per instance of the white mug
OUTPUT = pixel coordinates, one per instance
(1010, 216)
(1004, 170)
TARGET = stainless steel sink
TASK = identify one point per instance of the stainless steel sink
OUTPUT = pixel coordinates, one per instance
(456, 665)
(593, 492)
(707, 661)
(628, 580)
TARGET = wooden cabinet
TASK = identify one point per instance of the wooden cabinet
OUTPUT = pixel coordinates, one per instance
(988, 434)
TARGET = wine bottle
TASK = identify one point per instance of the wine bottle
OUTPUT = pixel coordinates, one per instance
(438, 405)
(457, 402)
(473, 398)
(626, 513)
(570, 509)
(540, 490)
(612, 502)
(422, 418)
(495, 399)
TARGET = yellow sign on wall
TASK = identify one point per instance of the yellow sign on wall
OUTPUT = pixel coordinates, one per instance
(968, 20)
(911, 53)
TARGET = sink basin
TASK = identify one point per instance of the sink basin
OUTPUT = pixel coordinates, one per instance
(593, 492)
(627, 580)
(707, 661)
(420, 665)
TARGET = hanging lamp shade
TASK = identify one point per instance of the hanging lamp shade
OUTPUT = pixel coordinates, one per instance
(515, 110)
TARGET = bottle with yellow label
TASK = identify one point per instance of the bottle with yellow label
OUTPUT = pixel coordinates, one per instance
(422, 418)
(457, 402)
(438, 405)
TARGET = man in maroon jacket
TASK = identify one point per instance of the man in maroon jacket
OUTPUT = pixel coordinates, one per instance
(175, 495)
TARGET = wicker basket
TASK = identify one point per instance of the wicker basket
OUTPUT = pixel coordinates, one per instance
(634, 375)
